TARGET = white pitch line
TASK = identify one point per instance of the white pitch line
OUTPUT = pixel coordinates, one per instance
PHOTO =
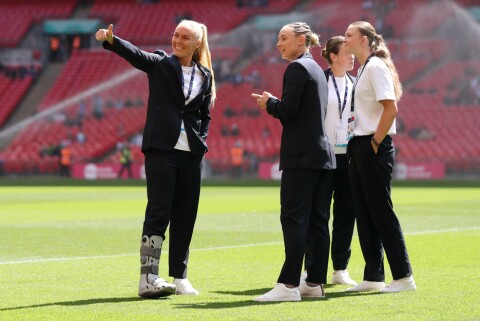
(444, 231)
(76, 258)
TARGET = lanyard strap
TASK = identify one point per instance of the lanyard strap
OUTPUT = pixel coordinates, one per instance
(356, 82)
(190, 87)
(340, 107)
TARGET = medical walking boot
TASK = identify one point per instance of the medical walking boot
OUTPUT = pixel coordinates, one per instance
(151, 285)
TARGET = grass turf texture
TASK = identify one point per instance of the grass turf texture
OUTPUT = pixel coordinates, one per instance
(71, 253)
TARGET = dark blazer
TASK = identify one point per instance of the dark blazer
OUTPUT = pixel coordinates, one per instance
(302, 111)
(166, 100)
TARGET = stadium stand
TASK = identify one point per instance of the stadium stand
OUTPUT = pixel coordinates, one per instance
(219, 16)
(17, 16)
(434, 112)
(11, 93)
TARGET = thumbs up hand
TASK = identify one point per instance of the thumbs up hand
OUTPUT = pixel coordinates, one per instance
(105, 34)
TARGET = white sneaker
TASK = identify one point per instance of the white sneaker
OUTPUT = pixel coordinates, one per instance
(280, 293)
(342, 277)
(184, 287)
(402, 285)
(310, 291)
(154, 287)
(307, 291)
(367, 286)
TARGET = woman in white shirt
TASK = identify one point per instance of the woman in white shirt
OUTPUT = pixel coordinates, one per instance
(340, 85)
(371, 156)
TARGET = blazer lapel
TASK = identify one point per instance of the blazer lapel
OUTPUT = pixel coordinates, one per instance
(206, 83)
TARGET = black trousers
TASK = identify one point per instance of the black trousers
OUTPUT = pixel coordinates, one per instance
(305, 206)
(343, 215)
(378, 226)
(173, 192)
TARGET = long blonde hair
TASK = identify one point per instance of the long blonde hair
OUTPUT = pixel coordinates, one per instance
(202, 53)
(379, 48)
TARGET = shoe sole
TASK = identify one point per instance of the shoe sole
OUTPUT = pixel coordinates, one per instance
(288, 299)
(157, 294)
(397, 291)
(364, 290)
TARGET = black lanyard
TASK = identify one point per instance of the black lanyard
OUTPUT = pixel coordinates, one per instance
(356, 82)
(340, 107)
(191, 82)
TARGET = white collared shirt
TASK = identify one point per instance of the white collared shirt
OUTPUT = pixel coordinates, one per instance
(182, 143)
(374, 84)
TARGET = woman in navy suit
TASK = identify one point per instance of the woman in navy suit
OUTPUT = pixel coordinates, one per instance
(307, 160)
(181, 92)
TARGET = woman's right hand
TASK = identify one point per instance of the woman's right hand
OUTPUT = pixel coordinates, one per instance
(105, 34)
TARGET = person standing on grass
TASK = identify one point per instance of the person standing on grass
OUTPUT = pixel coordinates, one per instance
(182, 90)
(371, 156)
(340, 85)
(125, 160)
(307, 160)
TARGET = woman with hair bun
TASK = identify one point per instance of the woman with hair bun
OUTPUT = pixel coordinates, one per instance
(306, 161)
(340, 84)
(181, 92)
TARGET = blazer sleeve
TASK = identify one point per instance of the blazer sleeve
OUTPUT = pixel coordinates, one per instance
(294, 81)
(205, 112)
(140, 59)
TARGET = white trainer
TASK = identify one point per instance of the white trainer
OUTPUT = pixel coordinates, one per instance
(367, 286)
(307, 291)
(342, 277)
(280, 293)
(401, 285)
(184, 287)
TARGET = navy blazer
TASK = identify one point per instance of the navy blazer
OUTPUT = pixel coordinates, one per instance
(166, 100)
(302, 111)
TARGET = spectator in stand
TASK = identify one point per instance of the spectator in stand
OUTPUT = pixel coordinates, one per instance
(234, 130)
(81, 137)
(371, 157)
(228, 111)
(65, 159)
(236, 159)
(119, 104)
(137, 139)
(306, 160)
(174, 144)
(81, 110)
(138, 102)
(98, 107)
(224, 130)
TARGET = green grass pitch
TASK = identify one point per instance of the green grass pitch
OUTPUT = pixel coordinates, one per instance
(71, 253)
